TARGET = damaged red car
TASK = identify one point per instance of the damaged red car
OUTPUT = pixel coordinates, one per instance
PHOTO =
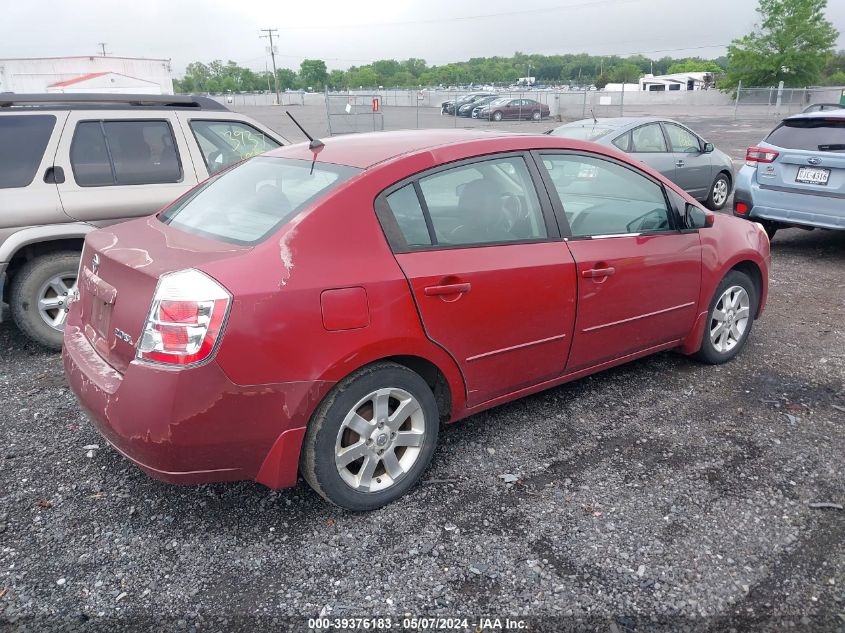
(322, 309)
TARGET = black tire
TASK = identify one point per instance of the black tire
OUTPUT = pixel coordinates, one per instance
(23, 295)
(536, 116)
(708, 352)
(497, 116)
(722, 180)
(317, 462)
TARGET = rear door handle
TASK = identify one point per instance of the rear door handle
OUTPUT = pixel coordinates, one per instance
(448, 289)
(598, 272)
(680, 163)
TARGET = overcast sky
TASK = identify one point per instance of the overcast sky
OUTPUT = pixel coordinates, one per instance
(347, 32)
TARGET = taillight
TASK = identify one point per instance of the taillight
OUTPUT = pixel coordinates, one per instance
(756, 155)
(186, 319)
(741, 207)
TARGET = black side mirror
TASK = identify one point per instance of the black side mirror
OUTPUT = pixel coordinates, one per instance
(697, 218)
(709, 147)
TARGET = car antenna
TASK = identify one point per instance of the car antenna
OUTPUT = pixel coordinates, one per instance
(315, 142)
(315, 145)
(593, 114)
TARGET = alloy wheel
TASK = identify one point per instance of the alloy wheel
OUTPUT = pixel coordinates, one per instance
(729, 319)
(720, 192)
(380, 440)
(53, 299)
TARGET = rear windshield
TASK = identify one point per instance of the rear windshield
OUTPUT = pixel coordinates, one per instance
(251, 201)
(23, 139)
(581, 133)
(815, 135)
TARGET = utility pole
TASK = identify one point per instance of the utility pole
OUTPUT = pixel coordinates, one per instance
(270, 33)
(102, 46)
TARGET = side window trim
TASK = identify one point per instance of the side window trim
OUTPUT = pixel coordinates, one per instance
(560, 212)
(114, 182)
(400, 246)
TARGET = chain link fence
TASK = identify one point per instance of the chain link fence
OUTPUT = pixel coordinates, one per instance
(373, 110)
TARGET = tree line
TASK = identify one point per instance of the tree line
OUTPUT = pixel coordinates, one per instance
(793, 42)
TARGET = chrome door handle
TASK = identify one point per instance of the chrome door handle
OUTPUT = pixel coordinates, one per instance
(593, 273)
(447, 289)
(680, 163)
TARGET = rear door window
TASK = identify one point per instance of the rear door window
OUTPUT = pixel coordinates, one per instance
(648, 139)
(226, 142)
(141, 152)
(249, 202)
(23, 139)
(813, 134)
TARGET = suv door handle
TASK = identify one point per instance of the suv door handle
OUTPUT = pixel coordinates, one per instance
(54, 175)
(592, 273)
(447, 289)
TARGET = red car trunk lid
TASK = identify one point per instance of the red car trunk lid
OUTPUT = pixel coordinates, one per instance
(119, 271)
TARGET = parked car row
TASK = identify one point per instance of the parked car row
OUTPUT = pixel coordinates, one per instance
(495, 108)
(72, 163)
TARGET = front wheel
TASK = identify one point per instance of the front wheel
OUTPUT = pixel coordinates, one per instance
(497, 116)
(372, 437)
(720, 190)
(536, 116)
(729, 320)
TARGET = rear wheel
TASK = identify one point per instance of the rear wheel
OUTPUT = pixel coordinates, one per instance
(497, 116)
(38, 296)
(720, 191)
(729, 319)
(372, 437)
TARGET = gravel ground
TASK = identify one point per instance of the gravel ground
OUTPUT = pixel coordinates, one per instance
(662, 495)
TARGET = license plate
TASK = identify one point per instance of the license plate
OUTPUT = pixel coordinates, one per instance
(813, 175)
(100, 317)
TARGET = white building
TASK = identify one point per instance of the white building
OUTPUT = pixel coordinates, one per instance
(86, 74)
(677, 81)
(621, 87)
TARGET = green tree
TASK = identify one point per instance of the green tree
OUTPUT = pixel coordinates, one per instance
(791, 44)
(836, 79)
(287, 78)
(313, 73)
(627, 73)
(695, 66)
(337, 80)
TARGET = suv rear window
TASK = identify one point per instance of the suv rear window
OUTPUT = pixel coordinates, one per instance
(23, 139)
(247, 203)
(813, 134)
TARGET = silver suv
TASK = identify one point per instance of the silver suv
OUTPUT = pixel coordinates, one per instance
(71, 163)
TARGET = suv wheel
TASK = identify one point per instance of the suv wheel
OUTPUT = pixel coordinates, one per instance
(38, 296)
(371, 438)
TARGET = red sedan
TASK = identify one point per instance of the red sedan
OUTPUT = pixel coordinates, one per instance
(323, 311)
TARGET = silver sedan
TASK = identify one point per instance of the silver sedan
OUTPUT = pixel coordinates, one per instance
(674, 150)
